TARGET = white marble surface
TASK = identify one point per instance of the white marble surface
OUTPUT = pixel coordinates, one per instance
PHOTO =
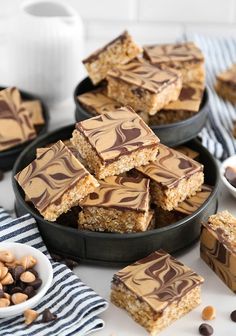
(118, 323)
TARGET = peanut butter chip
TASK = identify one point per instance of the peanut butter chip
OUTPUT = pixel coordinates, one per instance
(18, 298)
(27, 277)
(6, 256)
(3, 272)
(28, 262)
(208, 313)
(4, 302)
(7, 280)
(30, 316)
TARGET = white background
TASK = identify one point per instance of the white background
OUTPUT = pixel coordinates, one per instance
(149, 21)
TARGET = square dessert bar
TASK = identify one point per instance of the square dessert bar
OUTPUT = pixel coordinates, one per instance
(16, 126)
(36, 112)
(187, 104)
(218, 247)
(142, 86)
(174, 177)
(55, 181)
(119, 204)
(156, 290)
(226, 84)
(115, 142)
(97, 102)
(185, 208)
(186, 57)
(119, 51)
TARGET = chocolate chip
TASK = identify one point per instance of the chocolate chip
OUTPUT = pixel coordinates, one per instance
(16, 272)
(29, 291)
(71, 263)
(35, 273)
(48, 316)
(1, 175)
(56, 257)
(16, 290)
(1, 293)
(205, 329)
(233, 316)
(36, 283)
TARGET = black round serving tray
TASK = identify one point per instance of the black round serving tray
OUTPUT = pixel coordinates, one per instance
(8, 157)
(170, 134)
(114, 248)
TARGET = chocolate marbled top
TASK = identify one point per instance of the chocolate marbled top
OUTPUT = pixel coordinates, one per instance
(117, 133)
(158, 279)
(120, 193)
(189, 99)
(97, 102)
(228, 76)
(15, 123)
(36, 112)
(193, 203)
(144, 75)
(49, 176)
(170, 54)
(170, 167)
(223, 226)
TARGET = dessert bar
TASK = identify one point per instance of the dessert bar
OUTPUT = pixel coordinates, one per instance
(186, 57)
(16, 126)
(156, 290)
(174, 177)
(56, 181)
(217, 246)
(119, 51)
(119, 204)
(226, 84)
(188, 152)
(142, 86)
(115, 142)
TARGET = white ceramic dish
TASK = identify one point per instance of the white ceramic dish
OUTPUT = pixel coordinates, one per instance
(43, 267)
(231, 161)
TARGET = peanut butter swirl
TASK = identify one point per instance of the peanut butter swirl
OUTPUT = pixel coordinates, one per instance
(97, 102)
(158, 279)
(170, 167)
(144, 75)
(49, 176)
(193, 203)
(16, 126)
(189, 99)
(170, 54)
(120, 193)
(117, 133)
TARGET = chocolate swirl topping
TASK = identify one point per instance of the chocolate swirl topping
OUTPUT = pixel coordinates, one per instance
(117, 133)
(48, 177)
(158, 279)
(173, 53)
(193, 203)
(189, 99)
(120, 193)
(15, 123)
(97, 102)
(144, 75)
(170, 167)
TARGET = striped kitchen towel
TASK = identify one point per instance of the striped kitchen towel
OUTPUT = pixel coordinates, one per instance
(76, 305)
(219, 53)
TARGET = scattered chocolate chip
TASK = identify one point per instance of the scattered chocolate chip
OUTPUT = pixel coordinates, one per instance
(71, 263)
(16, 290)
(56, 257)
(205, 329)
(29, 291)
(1, 175)
(16, 272)
(36, 283)
(48, 316)
(233, 316)
(1, 293)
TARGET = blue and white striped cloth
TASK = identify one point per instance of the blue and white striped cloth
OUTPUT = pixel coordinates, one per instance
(220, 53)
(77, 306)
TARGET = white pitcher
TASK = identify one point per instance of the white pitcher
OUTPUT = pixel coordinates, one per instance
(44, 49)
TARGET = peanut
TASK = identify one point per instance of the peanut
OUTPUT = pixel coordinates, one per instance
(6, 256)
(18, 298)
(27, 277)
(4, 302)
(30, 316)
(208, 313)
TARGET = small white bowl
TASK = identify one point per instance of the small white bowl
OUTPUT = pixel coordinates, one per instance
(230, 162)
(44, 269)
